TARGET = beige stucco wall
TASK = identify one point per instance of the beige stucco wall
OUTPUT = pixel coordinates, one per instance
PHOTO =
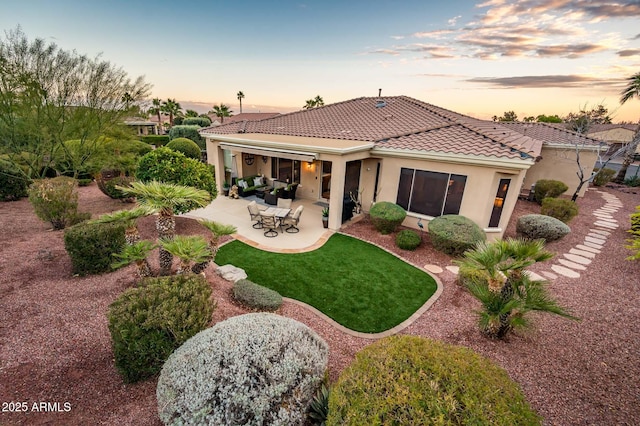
(560, 164)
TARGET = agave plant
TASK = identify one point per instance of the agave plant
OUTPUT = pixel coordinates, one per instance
(129, 217)
(164, 197)
(136, 252)
(319, 408)
(502, 286)
(217, 230)
(189, 249)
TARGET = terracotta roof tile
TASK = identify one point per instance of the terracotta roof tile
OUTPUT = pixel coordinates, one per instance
(552, 134)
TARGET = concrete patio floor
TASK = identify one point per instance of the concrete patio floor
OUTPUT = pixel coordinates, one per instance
(234, 212)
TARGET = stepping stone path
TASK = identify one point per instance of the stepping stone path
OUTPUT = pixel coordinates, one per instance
(435, 269)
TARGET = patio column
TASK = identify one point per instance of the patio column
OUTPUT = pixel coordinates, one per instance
(215, 156)
(338, 169)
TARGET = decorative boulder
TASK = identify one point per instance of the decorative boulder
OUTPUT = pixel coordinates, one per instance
(231, 273)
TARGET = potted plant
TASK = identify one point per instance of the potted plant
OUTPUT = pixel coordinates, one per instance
(225, 189)
(325, 217)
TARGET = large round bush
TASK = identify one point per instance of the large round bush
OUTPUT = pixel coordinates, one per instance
(190, 132)
(256, 296)
(197, 121)
(185, 146)
(408, 239)
(257, 369)
(168, 166)
(13, 183)
(386, 216)
(548, 188)
(561, 209)
(454, 234)
(408, 380)
(149, 322)
(91, 246)
(538, 226)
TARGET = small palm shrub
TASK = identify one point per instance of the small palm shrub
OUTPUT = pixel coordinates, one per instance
(91, 245)
(13, 183)
(108, 186)
(387, 216)
(149, 322)
(603, 177)
(547, 188)
(197, 121)
(538, 226)
(408, 239)
(185, 146)
(190, 132)
(259, 368)
(635, 221)
(454, 234)
(256, 296)
(56, 201)
(561, 209)
(409, 380)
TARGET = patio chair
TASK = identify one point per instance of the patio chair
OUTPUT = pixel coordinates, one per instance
(269, 224)
(284, 203)
(293, 221)
(254, 212)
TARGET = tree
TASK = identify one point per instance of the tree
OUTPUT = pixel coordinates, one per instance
(313, 103)
(221, 111)
(156, 109)
(172, 109)
(582, 121)
(49, 95)
(191, 113)
(548, 118)
(631, 91)
(498, 279)
(240, 96)
(508, 116)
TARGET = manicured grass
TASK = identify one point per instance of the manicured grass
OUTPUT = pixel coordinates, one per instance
(357, 284)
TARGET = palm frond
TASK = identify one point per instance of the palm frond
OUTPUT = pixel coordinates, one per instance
(124, 215)
(632, 89)
(163, 196)
(218, 229)
(188, 248)
(132, 253)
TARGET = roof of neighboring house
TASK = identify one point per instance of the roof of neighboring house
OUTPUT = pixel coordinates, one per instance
(550, 133)
(596, 128)
(397, 123)
(245, 116)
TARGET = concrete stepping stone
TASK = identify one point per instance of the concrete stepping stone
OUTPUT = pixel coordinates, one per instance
(433, 269)
(586, 248)
(535, 277)
(608, 219)
(602, 216)
(453, 269)
(600, 231)
(577, 259)
(598, 236)
(608, 225)
(572, 265)
(565, 271)
(582, 253)
(592, 245)
(549, 275)
(595, 240)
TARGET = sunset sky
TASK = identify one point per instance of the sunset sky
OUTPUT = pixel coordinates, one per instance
(477, 58)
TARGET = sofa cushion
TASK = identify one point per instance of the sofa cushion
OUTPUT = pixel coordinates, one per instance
(257, 181)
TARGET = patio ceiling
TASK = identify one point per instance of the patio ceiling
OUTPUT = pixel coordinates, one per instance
(292, 155)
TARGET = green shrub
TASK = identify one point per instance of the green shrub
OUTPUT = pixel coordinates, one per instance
(256, 296)
(409, 380)
(168, 166)
(253, 369)
(632, 181)
(548, 189)
(469, 276)
(108, 186)
(157, 140)
(603, 177)
(56, 201)
(408, 239)
(149, 322)
(454, 234)
(563, 210)
(635, 221)
(387, 216)
(537, 226)
(185, 146)
(13, 183)
(197, 121)
(91, 246)
(189, 132)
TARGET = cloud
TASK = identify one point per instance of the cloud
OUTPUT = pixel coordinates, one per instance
(392, 52)
(628, 52)
(543, 81)
(452, 21)
(433, 51)
(571, 51)
(397, 37)
(437, 34)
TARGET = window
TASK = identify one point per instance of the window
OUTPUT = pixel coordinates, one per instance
(285, 169)
(498, 203)
(430, 193)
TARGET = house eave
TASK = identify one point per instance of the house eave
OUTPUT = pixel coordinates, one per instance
(520, 164)
(310, 148)
(580, 147)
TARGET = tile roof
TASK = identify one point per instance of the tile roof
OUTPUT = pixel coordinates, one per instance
(395, 122)
(595, 128)
(551, 134)
(248, 116)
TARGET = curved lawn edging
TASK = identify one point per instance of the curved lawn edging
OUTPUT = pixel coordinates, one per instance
(359, 285)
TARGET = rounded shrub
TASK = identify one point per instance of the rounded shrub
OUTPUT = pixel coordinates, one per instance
(185, 146)
(157, 140)
(108, 185)
(408, 239)
(190, 132)
(454, 234)
(387, 216)
(168, 166)
(56, 201)
(259, 369)
(547, 188)
(13, 183)
(603, 177)
(149, 322)
(197, 121)
(409, 380)
(538, 226)
(91, 246)
(561, 209)
(256, 296)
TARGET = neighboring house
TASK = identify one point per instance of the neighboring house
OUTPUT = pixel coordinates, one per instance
(245, 116)
(429, 160)
(616, 135)
(142, 126)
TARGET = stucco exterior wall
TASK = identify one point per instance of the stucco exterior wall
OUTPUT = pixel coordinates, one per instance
(560, 164)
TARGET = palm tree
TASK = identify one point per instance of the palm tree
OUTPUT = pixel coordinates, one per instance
(499, 281)
(127, 99)
(128, 217)
(217, 230)
(240, 96)
(221, 111)
(189, 249)
(164, 197)
(631, 91)
(172, 109)
(137, 253)
(191, 113)
(156, 109)
(318, 101)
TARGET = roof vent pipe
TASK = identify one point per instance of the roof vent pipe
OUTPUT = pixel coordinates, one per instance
(379, 92)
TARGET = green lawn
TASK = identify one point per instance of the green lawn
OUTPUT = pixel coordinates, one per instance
(357, 284)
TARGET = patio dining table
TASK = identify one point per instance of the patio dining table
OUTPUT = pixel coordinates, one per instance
(279, 213)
